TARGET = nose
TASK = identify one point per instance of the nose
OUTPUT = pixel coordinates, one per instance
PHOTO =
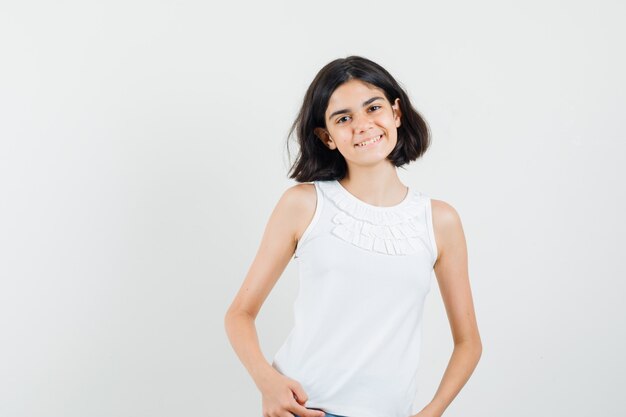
(361, 123)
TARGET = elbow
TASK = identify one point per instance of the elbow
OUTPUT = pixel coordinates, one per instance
(233, 314)
(477, 346)
(230, 313)
(229, 321)
(228, 317)
(473, 345)
(474, 350)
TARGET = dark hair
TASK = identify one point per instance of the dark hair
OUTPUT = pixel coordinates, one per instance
(315, 161)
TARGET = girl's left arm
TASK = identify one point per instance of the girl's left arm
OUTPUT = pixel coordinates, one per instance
(451, 269)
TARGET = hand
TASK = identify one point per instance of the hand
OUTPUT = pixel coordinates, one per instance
(284, 397)
(427, 412)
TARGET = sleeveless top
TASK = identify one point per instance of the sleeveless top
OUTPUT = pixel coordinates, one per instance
(364, 273)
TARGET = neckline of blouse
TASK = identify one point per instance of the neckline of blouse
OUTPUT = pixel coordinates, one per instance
(357, 200)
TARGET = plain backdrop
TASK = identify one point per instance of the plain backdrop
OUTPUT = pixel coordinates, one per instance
(143, 147)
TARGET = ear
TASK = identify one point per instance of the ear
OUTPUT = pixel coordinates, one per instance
(325, 137)
(397, 112)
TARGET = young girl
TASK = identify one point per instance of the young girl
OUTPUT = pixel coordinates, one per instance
(366, 246)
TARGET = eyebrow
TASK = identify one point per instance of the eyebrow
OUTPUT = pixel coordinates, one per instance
(365, 103)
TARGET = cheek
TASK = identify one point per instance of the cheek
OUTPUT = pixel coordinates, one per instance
(341, 134)
(387, 119)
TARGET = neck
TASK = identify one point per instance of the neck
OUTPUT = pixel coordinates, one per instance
(379, 186)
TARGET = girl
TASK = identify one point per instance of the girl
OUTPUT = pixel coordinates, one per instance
(366, 246)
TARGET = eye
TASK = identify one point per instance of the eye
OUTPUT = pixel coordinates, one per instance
(375, 107)
(341, 119)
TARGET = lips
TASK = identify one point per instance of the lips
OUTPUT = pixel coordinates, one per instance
(368, 139)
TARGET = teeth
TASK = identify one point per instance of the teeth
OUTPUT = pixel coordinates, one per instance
(369, 141)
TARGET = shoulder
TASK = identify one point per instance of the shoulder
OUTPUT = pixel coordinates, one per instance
(298, 204)
(444, 213)
(447, 224)
(300, 196)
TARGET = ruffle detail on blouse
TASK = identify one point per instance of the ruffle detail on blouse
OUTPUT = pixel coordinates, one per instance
(397, 230)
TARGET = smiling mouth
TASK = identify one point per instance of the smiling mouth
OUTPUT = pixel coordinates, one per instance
(369, 142)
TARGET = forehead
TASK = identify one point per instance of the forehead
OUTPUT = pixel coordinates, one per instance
(352, 94)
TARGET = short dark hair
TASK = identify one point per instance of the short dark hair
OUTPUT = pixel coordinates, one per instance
(315, 161)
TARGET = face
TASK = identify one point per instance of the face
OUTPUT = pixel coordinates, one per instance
(361, 123)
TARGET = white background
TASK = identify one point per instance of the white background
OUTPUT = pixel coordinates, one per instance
(142, 149)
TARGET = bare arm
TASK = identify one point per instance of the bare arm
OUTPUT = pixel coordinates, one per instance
(274, 253)
(451, 269)
(277, 246)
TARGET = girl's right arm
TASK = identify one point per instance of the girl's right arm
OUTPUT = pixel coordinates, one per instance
(281, 395)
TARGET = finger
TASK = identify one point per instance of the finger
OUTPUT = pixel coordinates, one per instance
(305, 412)
(299, 394)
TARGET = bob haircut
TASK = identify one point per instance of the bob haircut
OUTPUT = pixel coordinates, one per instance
(315, 161)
